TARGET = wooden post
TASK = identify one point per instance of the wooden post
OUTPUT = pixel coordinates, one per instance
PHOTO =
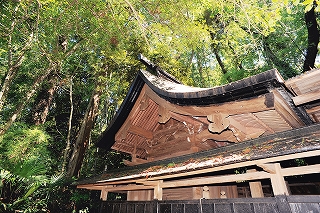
(255, 187)
(104, 194)
(157, 193)
(279, 186)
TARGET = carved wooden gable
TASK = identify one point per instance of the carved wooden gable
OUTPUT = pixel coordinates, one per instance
(168, 119)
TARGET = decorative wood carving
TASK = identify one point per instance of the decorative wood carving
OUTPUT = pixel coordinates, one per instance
(226, 135)
(219, 122)
(164, 115)
(122, 133)
(144, 103)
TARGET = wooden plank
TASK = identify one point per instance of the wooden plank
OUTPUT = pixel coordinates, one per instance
(313, 110)
(286, 112)
(303, 83)
(169, 147)
(170, 130)
(255, 187)
(140, 195)
(237, 107)
(185, 193)
(306, 97)
(261, 123)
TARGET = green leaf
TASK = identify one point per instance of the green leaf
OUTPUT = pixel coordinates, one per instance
(307, 2)
(296, 2)
(289, 11)
(308, 8)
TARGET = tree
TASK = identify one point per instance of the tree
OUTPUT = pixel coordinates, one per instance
(313, 35)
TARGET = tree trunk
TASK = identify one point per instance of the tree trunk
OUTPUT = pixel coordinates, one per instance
(313, 39)
(21, 105)
(45, 95)
(283, 66)
(83, 136)
(67, 150)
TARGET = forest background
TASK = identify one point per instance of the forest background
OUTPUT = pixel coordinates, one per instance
(65, 67)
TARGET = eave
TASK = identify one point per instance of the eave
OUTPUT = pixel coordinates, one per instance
(293, 144)
(181, 95)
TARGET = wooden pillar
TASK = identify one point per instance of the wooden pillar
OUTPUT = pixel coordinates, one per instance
(278, 183)
(157, 193)
(255, 186)
(104, 194)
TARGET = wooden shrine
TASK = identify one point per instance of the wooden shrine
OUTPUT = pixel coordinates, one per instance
(186, 143)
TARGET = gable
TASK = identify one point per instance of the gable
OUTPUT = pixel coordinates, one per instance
(160, 119)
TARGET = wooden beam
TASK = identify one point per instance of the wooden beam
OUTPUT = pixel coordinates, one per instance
(301, 170)
(189, 119)
(140, 131)
(89, 186)
(216, 179)
(258, 104)
(268, 168)
(313, 109)
(242, 164)
(306, 98)
(130, 187)
(285, 171)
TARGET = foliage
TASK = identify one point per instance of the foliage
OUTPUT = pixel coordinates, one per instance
(46, 43)
(24, 146)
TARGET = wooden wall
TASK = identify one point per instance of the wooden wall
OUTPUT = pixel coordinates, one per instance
(278, 204)
(186, 193)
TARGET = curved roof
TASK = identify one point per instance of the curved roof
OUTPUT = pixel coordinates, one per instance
(183, 95)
